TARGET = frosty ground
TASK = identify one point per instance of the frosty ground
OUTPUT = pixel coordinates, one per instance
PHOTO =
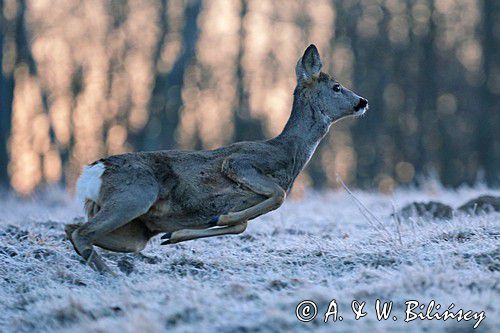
(319, 247)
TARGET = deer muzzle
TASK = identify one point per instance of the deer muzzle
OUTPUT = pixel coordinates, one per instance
(361, 107)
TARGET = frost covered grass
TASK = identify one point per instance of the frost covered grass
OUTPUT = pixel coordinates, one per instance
(319, 247)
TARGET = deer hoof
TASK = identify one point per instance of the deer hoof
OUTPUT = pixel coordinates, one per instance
(167, 238)
(213, 221)
(167, 235)
(98, 264)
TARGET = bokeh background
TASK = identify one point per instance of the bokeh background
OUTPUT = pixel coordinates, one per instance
(82, 79)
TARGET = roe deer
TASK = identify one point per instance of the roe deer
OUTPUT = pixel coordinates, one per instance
(187, 195)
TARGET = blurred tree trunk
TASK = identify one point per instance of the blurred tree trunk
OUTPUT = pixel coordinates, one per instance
(144, 139)
(404, 73)
(487, 132)
(6, 95)
(15, 30)
(245, 127)
(371, 73)
(426, 103)
(166, 100)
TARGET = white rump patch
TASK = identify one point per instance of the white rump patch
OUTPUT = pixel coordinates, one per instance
(89, 183)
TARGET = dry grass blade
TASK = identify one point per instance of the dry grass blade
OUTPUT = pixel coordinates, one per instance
(376, 223)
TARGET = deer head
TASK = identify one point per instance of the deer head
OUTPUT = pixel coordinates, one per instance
(327, 98)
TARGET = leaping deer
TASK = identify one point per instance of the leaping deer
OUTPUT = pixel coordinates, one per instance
(187, 195)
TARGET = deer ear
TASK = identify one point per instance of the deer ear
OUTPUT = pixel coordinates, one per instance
(309, 66)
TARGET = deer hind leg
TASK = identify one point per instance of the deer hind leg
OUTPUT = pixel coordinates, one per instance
(120, 209)
(189, 234)
(132, 237)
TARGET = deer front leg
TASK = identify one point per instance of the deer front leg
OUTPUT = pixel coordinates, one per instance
(244, 173)
(189, 234)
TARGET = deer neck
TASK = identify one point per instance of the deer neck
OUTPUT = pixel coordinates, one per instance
(302, 133)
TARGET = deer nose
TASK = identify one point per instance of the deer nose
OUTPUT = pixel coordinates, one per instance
(361, 104)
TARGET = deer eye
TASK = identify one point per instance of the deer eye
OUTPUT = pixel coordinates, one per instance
(336, 87)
